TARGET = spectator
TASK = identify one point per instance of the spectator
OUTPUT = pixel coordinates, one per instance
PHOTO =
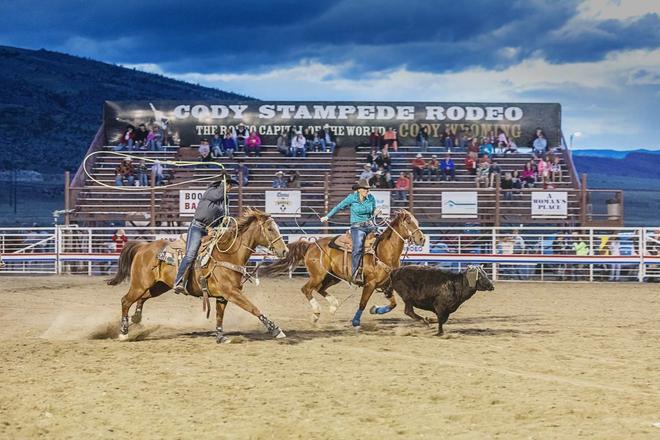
(540, 143)
(473, 146)
(507, 186)
(157, 173)
(293, 179)
(298, 145)
(327, 139)
(229, 145)
(309, 139)
(204, 151)
(280, 181)
(140, 137)
(423, 139)
(317, 145)
(502, 141)
(483, 170)
(512, 148)
(283, 144)
(470, 162)
(371, 160)
(119, 238)
(375, 179)
(555, 170)
(462, 141)
(142, 171)
(383, 160)
(418, 166)
(528, 175)
(241, 136)
(253, 144)
(486, 148)
(516, 182)
(581, 249)
(543, 170)
(233, 135)
(614, 246)
(494, 172)
(390, 139)
(124, 173)
(448, 139)
(242, 172)
(216, 145)
(367, 173)
(402, 186)
(448, 168)
(432, 168)
(154, 139)
(126, 140)
(375, 140)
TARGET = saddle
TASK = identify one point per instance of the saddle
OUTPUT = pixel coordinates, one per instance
(344, 244)
(174, 251)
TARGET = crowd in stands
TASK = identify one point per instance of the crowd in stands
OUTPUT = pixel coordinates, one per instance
(143, 138)
(128, 174)
(291, 180)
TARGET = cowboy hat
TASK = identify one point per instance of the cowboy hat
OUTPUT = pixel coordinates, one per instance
(279, 173)
(362, 184)
(226, 178)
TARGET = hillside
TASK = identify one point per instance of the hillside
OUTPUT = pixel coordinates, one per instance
(60, 98)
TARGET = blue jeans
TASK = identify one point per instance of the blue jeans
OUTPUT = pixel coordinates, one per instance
(423, 144)
(119, 181)
(295, 152)
(358, 235)
(196, 231)
(328, 145)
(142, 177)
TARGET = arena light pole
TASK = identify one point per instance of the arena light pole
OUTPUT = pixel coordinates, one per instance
(575, 134)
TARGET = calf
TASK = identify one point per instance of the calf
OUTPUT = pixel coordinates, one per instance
(436, 290)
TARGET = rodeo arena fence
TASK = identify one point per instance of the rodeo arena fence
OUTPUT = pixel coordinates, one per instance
(510, 254)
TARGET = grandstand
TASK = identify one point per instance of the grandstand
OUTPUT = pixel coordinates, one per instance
(325, 179)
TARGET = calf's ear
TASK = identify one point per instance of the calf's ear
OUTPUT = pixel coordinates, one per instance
(472, 275)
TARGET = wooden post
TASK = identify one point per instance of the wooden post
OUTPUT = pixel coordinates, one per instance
(411, 197)
(240, 192)
(498, 194)
(326, 200)
(67, 197)
(153, 200)
(583, 200)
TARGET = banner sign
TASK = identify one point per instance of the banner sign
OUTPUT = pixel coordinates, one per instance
(283, 203)
(188, 199)
(411, 248)
(383, 201)
(549, 204)
(187, 122)
(459, 204)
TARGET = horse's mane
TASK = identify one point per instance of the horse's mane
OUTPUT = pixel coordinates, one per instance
(242, 224)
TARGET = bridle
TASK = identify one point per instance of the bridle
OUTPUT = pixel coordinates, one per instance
(405, 225)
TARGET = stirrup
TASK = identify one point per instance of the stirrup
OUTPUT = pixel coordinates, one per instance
(180, 289)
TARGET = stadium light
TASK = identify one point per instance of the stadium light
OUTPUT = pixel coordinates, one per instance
(575, 134)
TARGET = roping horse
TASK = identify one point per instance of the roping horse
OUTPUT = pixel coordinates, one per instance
(325, 268)
(223, 275)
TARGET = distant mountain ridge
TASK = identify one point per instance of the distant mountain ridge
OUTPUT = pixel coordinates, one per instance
(612, 154)
(60, 97)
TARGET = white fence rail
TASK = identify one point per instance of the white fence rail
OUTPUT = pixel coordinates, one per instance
(525, 254)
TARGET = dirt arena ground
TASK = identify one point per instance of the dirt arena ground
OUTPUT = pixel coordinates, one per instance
(526, 361)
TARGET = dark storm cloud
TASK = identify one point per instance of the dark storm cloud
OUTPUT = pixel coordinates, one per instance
(372, 35)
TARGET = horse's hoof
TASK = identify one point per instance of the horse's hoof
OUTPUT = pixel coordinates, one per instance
(122, 337)
(136, 319)
(280, 335)
(357, 329)
(372, 310)
(223, 340)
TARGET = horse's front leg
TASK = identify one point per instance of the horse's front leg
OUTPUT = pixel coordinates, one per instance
(238, 298)
(220, 306)
(367, 291)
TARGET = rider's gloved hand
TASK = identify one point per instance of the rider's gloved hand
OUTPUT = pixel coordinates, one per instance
(324, 219)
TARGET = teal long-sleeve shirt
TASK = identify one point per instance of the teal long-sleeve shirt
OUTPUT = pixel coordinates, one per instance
(360, 211)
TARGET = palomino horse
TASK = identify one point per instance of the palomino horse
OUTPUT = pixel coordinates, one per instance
(224, 273)
(325, 268)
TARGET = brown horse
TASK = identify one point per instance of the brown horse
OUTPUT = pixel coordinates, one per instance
(223, 275)
(325, 268)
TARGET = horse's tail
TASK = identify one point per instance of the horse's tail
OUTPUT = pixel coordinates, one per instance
(297, 251)
(125, 262)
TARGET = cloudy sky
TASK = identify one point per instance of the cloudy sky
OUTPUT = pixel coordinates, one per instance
(599, 58)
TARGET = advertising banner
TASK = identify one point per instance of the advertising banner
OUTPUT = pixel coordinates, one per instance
(188, 199)
(459, 204)
(550, 204)
(283, 203)
(383, 201)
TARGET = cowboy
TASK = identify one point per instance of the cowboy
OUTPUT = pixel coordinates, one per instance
(363, 208)
(211, 210)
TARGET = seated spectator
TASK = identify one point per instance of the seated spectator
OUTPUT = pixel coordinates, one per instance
(154, 140)
(124, 173)
(448, 168)
(298, 145)
(216, 145)
(140, 137)
(448, 139)
(512, 148)
(367, 173)
(486, 148)
(418, 167)
(462, 141)
(229, 145)
(390, 139)
(516, 182)
(555, 170)
(540, 143)
(280, 181)
(142, 173)
(543, 170)
(494, 172)
(242, 172)
(384, 179)
(204, 151)
(423, 139)
(371, 159)
(309, 139)
(327, 139)
(157, 173)
(473, 146)
(383, 160)
(283, 144)
(375, 140)
(507, 186)
(402, 186)
(483, 170)
(502, 141)
(293, 179)
(375, 179)
(470, 162)
(317, 145)
(126, 140)
(432, 168)
(528, 175)
(241, 136)
(253, 144)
